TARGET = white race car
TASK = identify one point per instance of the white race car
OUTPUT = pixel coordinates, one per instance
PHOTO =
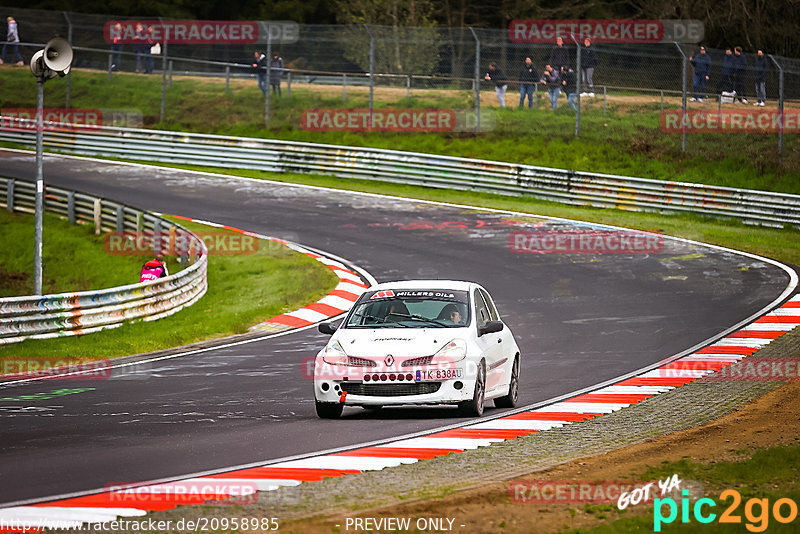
(420, 342)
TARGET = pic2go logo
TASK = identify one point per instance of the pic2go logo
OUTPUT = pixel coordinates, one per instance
(756, 511)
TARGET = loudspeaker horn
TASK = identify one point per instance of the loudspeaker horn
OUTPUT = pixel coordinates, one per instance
(57, 55)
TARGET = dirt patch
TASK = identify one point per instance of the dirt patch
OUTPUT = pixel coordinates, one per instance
(13, 283)
(489, 508)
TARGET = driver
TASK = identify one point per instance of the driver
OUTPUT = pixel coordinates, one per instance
(451, 312)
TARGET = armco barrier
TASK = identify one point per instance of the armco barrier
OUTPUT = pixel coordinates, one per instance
(571, 187)
(89, 311)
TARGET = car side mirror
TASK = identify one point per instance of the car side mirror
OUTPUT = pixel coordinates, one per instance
(327, 328)
(490, 328)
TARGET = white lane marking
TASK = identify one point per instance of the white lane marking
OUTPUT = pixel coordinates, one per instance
(769, 327)
(713, 357)
(442, 443)
(752, 342)
(263, 484)
(633, 390)
(360, 463)
(588, 407)
(516, 424)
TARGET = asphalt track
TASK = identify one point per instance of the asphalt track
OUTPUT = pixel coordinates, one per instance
(578, 319)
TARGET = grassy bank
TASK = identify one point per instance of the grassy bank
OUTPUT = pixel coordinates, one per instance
(625, 140)
(242, 290)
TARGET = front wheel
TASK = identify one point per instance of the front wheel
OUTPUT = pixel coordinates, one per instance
(329, 410)
(510, 400)
(474, 407)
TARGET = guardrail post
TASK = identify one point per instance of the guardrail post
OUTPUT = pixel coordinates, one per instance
(344, 87)
(98, 216)
(170, 73)
(157, 237)
(71, 207)
(120, 219)
(10, 195)
(408, 86)
(139, 222)
(227, 78)
(288, 84)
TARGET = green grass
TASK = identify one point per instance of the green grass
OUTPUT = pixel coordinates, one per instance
(628, 140)
(73, 258)
(242, 291)
(772, 473)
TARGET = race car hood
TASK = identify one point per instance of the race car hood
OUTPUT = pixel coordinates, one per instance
(401, 343)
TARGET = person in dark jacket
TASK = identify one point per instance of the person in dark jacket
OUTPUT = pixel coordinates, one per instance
(559, 55)
(588, 64)
(739, 72)
(569, 82)
(702, 70)
(260, 65)
(727, 72)
(760, 69)
(528, 77)
(500, 82)
(276, 73)
(552, 79)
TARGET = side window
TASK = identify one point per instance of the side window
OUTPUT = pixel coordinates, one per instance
(481, 311)
(489, 304)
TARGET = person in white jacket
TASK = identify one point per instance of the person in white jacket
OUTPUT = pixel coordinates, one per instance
(12, 39)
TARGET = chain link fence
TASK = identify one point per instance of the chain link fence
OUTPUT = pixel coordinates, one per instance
(633, 86)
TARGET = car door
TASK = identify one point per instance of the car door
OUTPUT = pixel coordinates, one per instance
(490, 344)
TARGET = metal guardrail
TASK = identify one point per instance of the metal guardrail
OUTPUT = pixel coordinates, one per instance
(65, 314)
(559, 185)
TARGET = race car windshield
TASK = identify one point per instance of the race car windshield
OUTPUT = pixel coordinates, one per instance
(411, 309)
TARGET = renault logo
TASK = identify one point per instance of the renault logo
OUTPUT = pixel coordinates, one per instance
(389, 360)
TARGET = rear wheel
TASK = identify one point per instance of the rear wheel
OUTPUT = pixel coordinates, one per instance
(510, 400)
(474, 407)
(329, 410)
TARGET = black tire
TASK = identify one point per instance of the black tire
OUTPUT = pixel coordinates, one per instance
(510, 400)
(329, 410)
(474, 407)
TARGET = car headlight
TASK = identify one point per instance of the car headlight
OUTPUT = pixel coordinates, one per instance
(334, 354)
(454, 351)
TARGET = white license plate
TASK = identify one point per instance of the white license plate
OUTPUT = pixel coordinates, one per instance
(438, 374)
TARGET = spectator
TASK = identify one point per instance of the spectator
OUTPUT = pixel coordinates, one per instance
(261, 71)
(116, 47)
(275, 73)
(154, 269)
(559, 55)
(727, 72)
(528, 77)
(569, 81)
(588, 64)
(12, 39)
(500, 82)
(702, 70)
(739, 72)
(140, 44)
(761, 68)
(552, 78)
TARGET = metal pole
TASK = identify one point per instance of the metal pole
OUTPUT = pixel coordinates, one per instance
(605, 99)
(69, 74)
(110, 56)
(170, 73)
(477, 83)
(37, 240)
(164, 81)
(683, 98)
(662, 101)
(408, 86)
(288, 84)
(577, 85)
(371, 71)
(780, 109)
(269, 65)
(344, 87)
(227, 78)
